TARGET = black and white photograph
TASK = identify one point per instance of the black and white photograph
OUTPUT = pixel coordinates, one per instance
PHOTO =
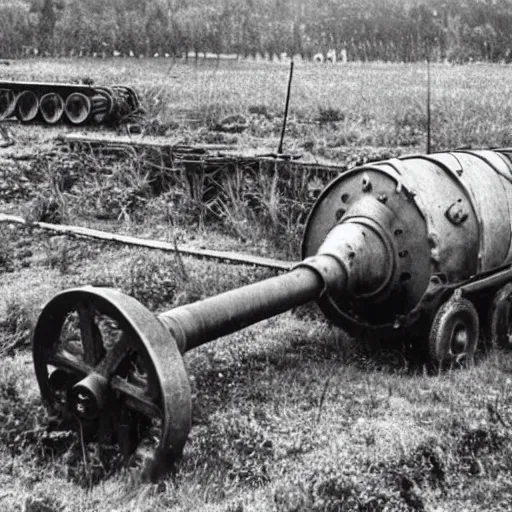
(256, 256)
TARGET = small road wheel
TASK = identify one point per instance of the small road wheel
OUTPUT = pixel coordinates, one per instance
(454, 333)
(499, 326)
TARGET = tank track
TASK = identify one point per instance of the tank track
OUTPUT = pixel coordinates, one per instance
(77, 104)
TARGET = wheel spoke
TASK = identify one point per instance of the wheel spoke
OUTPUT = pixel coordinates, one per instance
(127, 433)
(67, 362)
(135, 398)
(114, 357)
(91, 336)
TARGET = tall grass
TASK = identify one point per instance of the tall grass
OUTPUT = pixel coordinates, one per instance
(252, 200)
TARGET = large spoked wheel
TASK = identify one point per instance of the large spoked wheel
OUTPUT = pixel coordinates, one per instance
(454, 333)
(499, 325)
(102, 357)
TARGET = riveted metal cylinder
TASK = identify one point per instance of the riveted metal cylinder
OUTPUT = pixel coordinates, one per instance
(447, 215)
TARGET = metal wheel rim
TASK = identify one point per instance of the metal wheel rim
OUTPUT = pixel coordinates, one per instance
(173, 395)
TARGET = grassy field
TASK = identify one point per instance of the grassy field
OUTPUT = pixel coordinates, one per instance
(290, 414)
(370, 104)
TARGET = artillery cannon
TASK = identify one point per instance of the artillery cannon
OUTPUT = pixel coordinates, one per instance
(420, 243)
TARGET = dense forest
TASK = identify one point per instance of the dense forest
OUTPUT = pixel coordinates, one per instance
(388, 30)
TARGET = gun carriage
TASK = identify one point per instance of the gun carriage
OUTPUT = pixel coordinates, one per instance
(416, 244)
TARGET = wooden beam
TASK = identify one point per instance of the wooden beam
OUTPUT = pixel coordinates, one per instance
(227, 256)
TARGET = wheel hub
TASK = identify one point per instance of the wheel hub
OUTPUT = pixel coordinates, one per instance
(87, 397)
(459, 340)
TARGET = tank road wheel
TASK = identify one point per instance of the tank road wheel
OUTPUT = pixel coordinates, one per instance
(499, 322)
(454, 333)
(104, 359)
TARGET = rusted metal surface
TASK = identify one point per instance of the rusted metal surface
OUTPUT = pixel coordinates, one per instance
(195, 324)
(391, 247)
(482, 282)
(375, 199)
(76, 103)
(449, 216)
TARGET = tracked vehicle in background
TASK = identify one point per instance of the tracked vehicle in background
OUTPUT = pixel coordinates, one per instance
(398, 247)
(77, 104)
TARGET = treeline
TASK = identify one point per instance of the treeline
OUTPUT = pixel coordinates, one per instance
(389, 30)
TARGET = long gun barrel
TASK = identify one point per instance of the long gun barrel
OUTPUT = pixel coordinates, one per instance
(328, 273)
(395, 247)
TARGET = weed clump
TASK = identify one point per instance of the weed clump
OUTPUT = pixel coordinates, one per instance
(260, 110)
(328, 489)
(234, 123)
(238, 446)
(15, 328)
(160, 281)
(155, 281)
(480, 441)
(15, 250)
(58, 254)
(46, 207)
(6, 257)
(22, 418)
(43, 504)
(476, 449)
(330, 115)
(425, 467)
(124, 199)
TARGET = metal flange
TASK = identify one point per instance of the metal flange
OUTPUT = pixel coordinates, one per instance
(102, 357)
